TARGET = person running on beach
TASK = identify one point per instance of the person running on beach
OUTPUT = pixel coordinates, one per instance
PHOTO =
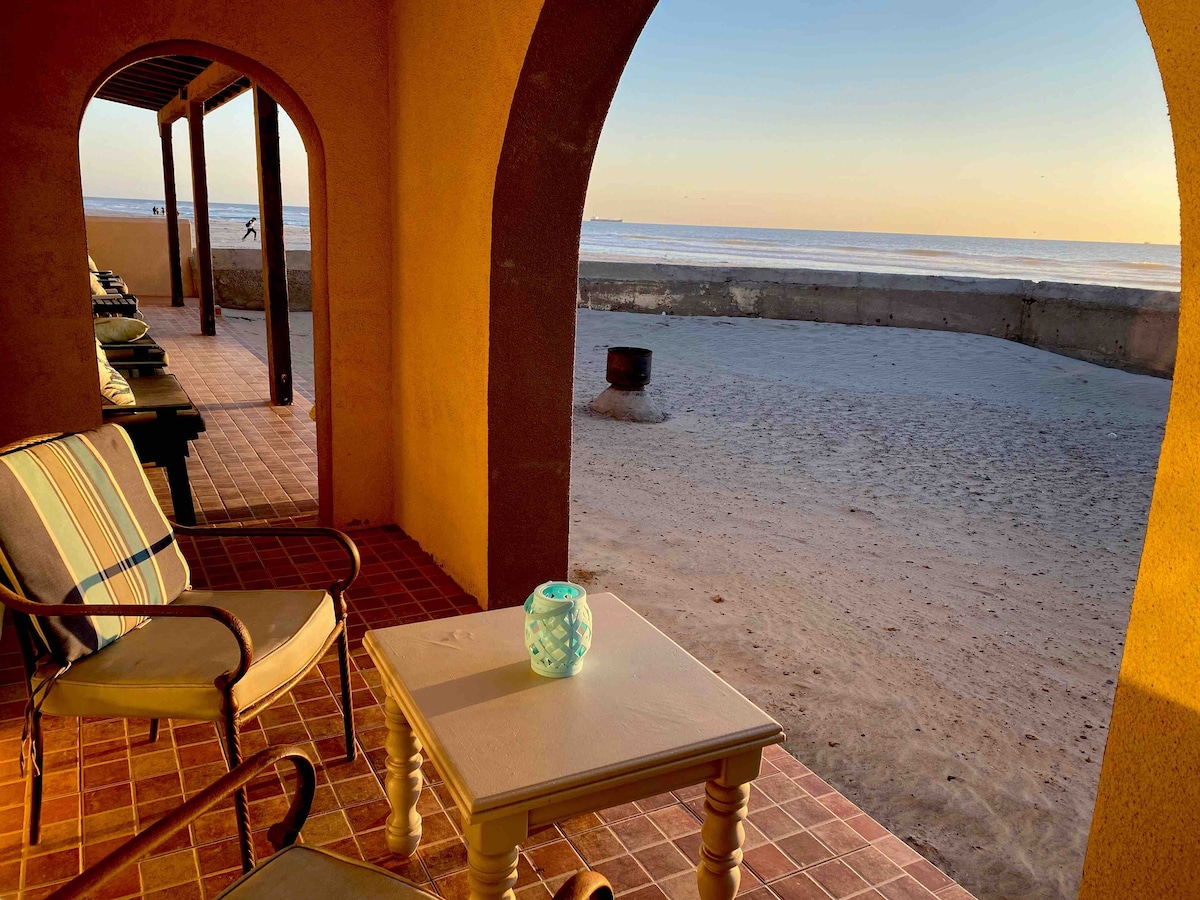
(250, 229)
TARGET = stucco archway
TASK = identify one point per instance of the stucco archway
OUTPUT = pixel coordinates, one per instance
(291, 103)
(575, 59)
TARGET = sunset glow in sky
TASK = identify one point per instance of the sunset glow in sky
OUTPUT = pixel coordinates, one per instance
(1028, 118)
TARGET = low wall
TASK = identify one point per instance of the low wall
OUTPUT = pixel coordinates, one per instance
(135, 247)
(238, 278)
(1125, 328)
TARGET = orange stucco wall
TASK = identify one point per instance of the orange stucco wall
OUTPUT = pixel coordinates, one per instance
(1143, 838)
(135, 247)
(330, 72)
(454, 69)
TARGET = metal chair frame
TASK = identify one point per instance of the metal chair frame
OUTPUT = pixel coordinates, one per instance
(232, 716)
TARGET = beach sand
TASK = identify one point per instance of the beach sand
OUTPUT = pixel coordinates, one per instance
(915, 549)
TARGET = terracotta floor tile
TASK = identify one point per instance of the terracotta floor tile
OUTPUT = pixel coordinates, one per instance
(873, 866)
(774, 823)
(554, 859)
(662, 861)
(444, 858)
(805, 849)
(51, 867)
(799, 887)
(867, 827)
(675, 821)
(596, 845)
(637, 833)
(681, 887)
(929, 875)
(838, 837)
(769, 863)
(168, 871)
(624, 872)
(904, 889)
(807, 811)
(649, 892)
(838, 879)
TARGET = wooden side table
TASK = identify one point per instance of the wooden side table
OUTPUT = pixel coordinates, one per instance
(519, 751)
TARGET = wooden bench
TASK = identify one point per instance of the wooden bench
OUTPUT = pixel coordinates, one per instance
(161, 422)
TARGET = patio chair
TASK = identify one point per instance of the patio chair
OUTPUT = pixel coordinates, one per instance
(294, 871)
(99, 592)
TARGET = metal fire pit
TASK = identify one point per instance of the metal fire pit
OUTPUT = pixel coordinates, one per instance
(628, 368)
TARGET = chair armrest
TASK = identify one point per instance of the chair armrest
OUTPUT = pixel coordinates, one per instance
(585, 885)
(235, 531)
(151, 611)
(282, 834)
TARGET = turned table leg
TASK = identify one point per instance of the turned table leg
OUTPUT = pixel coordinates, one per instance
(718, 875)
(492, 850)
(403, 781)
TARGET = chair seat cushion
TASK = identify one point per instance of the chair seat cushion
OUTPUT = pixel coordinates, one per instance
(167, 667)
(308, 873)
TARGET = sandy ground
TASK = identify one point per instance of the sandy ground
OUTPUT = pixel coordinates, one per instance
(915, 549)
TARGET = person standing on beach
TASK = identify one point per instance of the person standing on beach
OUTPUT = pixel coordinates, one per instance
(250, 229)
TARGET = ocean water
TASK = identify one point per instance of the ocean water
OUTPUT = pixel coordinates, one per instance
(1153, 266)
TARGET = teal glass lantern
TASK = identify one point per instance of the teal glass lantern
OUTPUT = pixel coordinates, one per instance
(558, 628)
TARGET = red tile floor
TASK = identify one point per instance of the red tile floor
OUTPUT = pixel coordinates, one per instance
(105, 780)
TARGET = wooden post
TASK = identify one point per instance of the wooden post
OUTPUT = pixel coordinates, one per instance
(208, 304)
(173, 260)
(275, 287)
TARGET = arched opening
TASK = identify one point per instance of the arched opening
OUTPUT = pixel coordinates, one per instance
(253, 457)
(552, 135)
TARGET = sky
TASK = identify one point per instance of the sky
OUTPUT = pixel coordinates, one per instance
(1021, 118)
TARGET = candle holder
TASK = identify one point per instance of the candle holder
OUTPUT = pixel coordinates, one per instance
(558, 628)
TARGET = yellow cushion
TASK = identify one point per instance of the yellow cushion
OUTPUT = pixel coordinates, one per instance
(301, 872)
(98, 290)
(92, 264)
(118, 330)
(113, 386)
(166, 668)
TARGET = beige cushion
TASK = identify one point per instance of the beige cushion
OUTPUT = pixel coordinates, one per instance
(166, 668)
(113, 386)
(92, 264)
(98, 290)
(301, 872)
(118, 330)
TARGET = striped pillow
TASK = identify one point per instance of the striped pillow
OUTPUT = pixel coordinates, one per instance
(79, 524)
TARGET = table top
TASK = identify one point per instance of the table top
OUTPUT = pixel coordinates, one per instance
(503, 735)
(152, 393)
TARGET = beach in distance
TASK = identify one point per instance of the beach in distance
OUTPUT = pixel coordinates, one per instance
(1149, 266)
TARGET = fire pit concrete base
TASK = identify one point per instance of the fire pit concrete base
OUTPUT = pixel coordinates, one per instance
(628, 406)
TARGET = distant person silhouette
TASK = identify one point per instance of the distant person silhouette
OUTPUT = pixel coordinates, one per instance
(250, 229)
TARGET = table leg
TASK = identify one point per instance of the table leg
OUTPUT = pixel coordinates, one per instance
(403, 781)
(492, 851)
(722, 834)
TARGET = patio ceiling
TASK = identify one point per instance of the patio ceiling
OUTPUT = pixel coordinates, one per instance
(154, 83)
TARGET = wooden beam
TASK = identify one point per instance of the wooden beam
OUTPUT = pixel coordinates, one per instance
(275, 287)
(173, 260)
(208, 304)
(207, 84)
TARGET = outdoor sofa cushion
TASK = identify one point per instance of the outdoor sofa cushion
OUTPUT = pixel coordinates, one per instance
(166, 668)
(118, 329)
(79, 524)
(98, 290)
(114, 388)
(301, 872)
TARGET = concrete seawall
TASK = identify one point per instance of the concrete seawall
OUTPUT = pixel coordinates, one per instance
(1125, 328)
(238, 278)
